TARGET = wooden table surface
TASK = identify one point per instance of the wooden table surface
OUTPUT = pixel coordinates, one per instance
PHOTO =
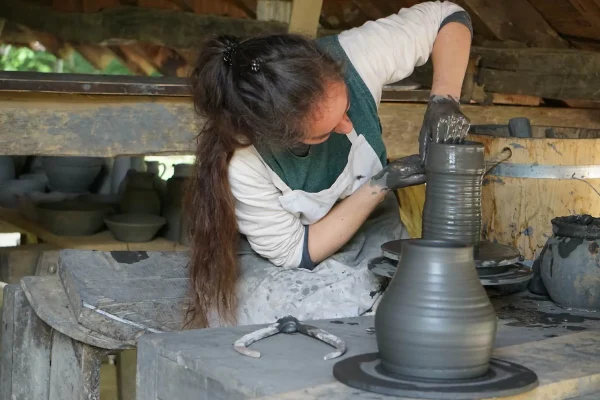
(562, 347)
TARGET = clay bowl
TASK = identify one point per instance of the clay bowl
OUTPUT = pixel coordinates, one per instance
(12, 189)
(72, 174)
(134, 227)
(72, 217)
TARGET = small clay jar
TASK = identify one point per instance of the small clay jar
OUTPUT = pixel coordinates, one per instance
(570, 262)
(172, 209)
(452, 208)
(141, 196)
(435, 319)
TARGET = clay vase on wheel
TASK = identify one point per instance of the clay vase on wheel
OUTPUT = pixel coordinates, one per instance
(435, 319)
(570, 262)
(141, 196)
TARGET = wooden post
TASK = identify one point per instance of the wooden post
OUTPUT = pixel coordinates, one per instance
(126, 374)
(75, 370)
(305, 17)
(26, 347)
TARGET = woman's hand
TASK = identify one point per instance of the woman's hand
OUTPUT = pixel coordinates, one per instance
(443, 123)
(403, 172)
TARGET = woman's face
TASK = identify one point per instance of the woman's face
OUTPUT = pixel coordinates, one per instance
(330, 115)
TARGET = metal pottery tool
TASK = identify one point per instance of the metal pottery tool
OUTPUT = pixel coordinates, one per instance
(289, 325)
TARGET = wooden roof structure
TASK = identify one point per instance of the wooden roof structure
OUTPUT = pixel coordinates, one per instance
(525, 53)
(150, 36)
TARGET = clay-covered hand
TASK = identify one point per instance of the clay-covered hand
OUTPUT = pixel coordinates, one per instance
(403, 172)
(443, 123)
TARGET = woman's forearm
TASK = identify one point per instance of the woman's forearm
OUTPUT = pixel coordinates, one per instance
(450, 57)
(329, 234)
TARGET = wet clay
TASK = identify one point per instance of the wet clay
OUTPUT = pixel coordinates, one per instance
(453, 193)
(435, 319)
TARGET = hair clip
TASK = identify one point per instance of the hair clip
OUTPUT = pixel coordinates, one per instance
(229, 53)
(255, 65)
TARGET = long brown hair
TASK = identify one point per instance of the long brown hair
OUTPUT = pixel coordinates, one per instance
(255, 92)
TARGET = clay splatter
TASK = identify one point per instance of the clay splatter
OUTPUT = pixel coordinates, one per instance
(567, 246)
(517, 146)
(336, 322)
(593, 247)
(533, 317)
(553, 147)
(576, 328)
(528, 231)
(352, 323)
(129, 257)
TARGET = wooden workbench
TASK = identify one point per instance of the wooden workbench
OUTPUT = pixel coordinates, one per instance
(562, 347)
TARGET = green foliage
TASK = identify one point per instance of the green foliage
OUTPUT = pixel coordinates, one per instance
(25, 59)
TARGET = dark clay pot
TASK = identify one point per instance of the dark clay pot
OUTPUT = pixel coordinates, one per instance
(173, 206)
(72, 174)
(435, 319)
(570, 262)
(141, 194)
(453, 192)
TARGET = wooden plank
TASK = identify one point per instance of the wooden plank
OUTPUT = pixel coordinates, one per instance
(566, 19)
(305, 17)
(175, 29)
(75, 373)
(18, 262)
(100, 241)
(26, 346)
(49, 301)
(108, 126)
(126, 294)
(546, 73)
(135, 59)
(515, 20)
(126, 374)
(590, 9)
(99, 56)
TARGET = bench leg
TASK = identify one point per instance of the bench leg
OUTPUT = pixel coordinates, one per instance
(75, 371)
(126, 370)
(26, 349)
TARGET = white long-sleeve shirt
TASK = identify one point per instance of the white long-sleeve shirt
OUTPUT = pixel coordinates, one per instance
(271, 215)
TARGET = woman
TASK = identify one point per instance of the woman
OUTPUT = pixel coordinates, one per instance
(291, 157)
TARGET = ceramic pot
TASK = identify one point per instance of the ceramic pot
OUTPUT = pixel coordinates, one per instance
(183, 170)
(72, 174)
(134, 227)
(435, 319)
(173, 202)
(73, 217)
(452, 208)
(154, 167)
(141, 196)
(7, 168)
(570, 261)
(11, 190)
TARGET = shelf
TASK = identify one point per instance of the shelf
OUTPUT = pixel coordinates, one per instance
(102, 241)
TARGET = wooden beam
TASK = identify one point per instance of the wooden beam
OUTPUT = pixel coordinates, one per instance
(175, 29)
(99, 56)
(515, 20)
(168, 61)
(546, 73)
(305, 17)
(93, 125)
(135, 59)
(566, 19)
(590, 9)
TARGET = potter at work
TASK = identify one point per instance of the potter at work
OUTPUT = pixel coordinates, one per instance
(289, 203)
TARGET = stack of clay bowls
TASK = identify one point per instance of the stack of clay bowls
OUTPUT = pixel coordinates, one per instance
(73, 217)
(140, 207)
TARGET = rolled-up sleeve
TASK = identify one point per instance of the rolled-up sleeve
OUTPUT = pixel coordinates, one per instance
(387, 50)
(272, 232)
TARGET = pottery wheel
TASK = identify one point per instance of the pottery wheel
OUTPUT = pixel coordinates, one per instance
(487, 255)
(502, 379)
(501, 275)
